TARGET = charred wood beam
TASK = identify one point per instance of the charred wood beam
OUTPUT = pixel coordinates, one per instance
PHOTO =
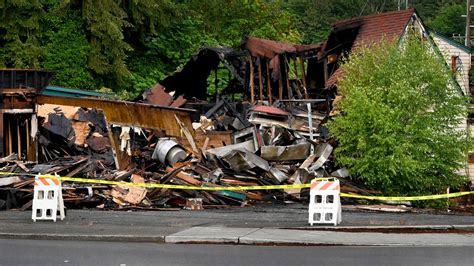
(326, 71)
(269, 83)
(252, 88)
(303, 77)
(287, 76)
(234, 71)
(260, 81)
(130, 113)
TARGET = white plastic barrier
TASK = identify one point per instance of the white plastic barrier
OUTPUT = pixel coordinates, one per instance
(325, 202)
(47, 199)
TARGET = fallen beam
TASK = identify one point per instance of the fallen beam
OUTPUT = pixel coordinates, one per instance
(130, 113)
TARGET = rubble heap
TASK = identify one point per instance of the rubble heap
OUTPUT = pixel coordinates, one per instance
(264, 125)
(266, 145)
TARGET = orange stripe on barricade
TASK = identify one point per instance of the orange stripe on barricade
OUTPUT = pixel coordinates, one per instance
(325, 186)
(55, 181)
(337, 188)
(44, 181)
(314, 184)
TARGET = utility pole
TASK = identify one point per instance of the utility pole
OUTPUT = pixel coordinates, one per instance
(400, 4)
(468, 23)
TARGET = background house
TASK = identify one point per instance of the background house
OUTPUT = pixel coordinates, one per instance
(349, 34)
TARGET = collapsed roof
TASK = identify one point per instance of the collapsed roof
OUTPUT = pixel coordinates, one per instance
(191, 80)
(270, 49)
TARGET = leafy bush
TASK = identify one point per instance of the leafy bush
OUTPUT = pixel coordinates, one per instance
(398, 130)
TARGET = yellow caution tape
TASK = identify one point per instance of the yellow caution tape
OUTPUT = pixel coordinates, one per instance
(151, 185)
(429, 197)
(168, 186)
(242, 188)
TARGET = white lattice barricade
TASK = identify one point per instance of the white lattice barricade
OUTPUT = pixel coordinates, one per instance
(325, 202)
(47, 199)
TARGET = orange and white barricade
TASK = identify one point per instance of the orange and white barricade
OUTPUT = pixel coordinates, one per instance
(47, 199)
(325, 202)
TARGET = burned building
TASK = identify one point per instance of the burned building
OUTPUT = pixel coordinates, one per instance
(18, 121)
(244, 116)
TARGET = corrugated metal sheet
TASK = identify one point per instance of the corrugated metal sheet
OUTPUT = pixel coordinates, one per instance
(69, 92)
(269, 110)
(269, 49)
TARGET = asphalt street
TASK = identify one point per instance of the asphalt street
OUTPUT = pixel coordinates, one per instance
(49, 252)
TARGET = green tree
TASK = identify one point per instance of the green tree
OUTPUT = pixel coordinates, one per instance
(448, 19)
(66, 50)
(114, 29)
(204, 23)
(20, 31)
(228, 23)
(105, 21)
(314, 18)
(429, 9)
(400, 110)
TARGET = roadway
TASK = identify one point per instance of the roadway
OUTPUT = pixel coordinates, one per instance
(51, 252)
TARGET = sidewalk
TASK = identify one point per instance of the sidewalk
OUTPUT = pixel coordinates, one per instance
(286, 225)
(271, 236)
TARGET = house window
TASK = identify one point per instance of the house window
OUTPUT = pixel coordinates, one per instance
(455, 63)
(471, 158)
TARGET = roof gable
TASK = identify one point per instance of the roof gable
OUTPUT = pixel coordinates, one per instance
(373, 28)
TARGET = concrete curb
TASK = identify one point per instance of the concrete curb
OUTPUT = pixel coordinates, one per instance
(316, 235)
(378, 227)
(268, 236)
(80, 237)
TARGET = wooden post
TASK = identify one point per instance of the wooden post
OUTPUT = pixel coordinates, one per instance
(27, 127)
(31, 153)
(260, 84)
(252, 89)
(303, 77)
(18, 138)
(228, 81)
(287, 69)
(216, 84)
(326, 73)
(280, 85)
(269, 80)
(288, 88)
(9, 136)
(467, 39)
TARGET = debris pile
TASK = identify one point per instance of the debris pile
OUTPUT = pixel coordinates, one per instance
(263, 145)
(68, 131)
(264, 125)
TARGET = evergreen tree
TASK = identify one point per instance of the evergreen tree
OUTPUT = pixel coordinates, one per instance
(20, 31)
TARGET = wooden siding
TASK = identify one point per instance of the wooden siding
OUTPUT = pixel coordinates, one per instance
(448, 50)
